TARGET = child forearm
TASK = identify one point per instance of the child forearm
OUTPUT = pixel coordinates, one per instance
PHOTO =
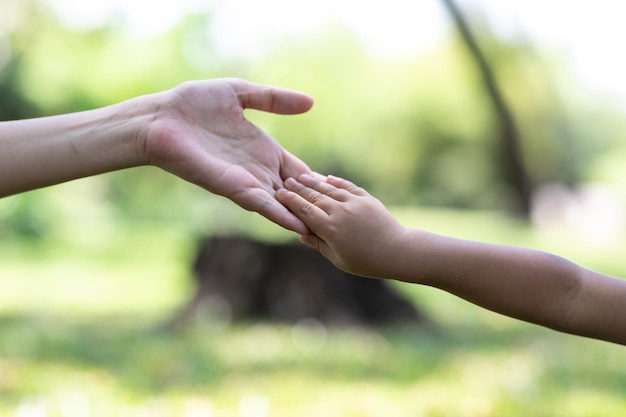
(526, 284)
(357, 233)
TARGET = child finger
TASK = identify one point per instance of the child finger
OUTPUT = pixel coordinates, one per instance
(318, 176)
(309, 194)
(344, 184)
(323, 187)
(310, 214)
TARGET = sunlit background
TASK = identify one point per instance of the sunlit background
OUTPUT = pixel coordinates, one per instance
(90, 268)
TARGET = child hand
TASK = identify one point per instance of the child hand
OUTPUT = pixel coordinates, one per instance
(349, 226)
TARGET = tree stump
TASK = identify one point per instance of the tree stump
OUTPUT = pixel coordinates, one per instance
(252, 280)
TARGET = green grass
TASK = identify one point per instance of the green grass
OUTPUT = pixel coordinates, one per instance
(79, 337)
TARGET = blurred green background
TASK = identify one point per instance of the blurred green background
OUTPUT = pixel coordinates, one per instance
(89, 268)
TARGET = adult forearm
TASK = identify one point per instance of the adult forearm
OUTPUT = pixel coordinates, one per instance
(35, 153)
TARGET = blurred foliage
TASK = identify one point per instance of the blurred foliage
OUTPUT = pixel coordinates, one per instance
(94, 367)
(111, 253)
(79, 338)
(413, 131)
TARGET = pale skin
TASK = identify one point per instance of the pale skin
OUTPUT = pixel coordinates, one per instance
(358, 234)
(196, 131)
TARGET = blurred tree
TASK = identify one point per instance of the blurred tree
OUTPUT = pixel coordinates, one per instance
(512, 163)
(13, 104)
(395, 126)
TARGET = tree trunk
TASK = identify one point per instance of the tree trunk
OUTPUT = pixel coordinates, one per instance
(237, 278)
(512, 164)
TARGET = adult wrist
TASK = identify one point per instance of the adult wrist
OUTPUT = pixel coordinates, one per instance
(136, 118)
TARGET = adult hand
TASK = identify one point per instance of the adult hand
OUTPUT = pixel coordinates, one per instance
(200, 134)
(196, 131)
